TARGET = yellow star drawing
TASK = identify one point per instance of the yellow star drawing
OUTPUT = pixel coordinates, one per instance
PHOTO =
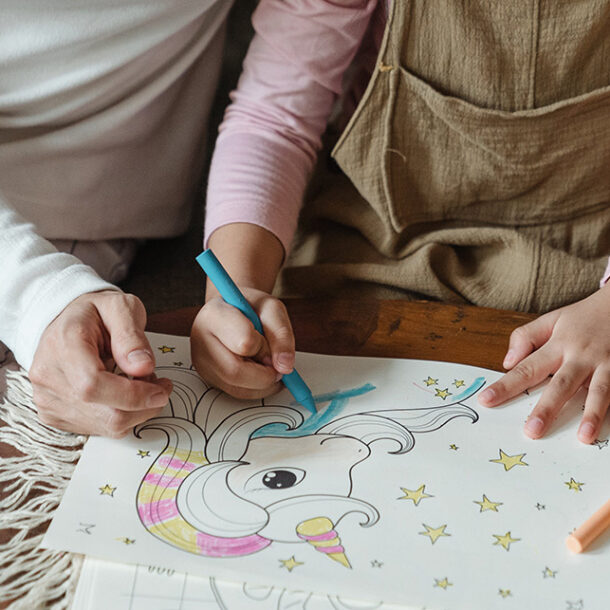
(430, 381)
(572, 484)
(443, 584)
(453, 446)
(443, 393)
(416, 495)
(107, 490)
(458, 383)
(126, 540)
(504, 592)
(290, 564)
(164, 349)
(508, 461)
(548, 573)
(505, 541)
(434, 533)
(487, 504)
(142, 453)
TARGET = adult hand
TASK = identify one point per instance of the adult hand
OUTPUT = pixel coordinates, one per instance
(573, 345)
(229, 353)
(71, 373)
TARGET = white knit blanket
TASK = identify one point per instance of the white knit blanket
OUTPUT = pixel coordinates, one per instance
(31, 487)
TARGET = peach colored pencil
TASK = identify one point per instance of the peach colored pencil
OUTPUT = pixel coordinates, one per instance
(593, 527)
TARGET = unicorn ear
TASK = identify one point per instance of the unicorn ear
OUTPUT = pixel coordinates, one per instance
(206, 502)
(230, 439)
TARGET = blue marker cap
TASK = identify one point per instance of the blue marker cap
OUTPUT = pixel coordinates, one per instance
(231, 294)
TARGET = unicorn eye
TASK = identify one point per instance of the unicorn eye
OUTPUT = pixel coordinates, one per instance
(280, 478)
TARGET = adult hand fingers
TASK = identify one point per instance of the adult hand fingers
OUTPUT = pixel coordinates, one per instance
(91, 418)
(80, 336)
(278, 332)
(124, 318)
(528, 373)
(563, 386)
(88, 381)
(596, 405)
(529, 337)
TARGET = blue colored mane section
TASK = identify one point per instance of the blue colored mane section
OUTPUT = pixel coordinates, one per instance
(314, 422)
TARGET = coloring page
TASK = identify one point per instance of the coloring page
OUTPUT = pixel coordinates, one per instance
(399, 489)
(104, 585)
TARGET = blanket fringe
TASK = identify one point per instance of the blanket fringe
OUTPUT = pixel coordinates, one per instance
(31, 487)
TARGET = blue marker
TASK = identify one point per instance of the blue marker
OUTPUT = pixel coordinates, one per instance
(232, 295)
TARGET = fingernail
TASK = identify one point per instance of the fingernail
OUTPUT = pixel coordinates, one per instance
(586, 430)
(159, 399)
(285, 360)
(138, 356)
(487, 395)
(509, 358)
(534, 426)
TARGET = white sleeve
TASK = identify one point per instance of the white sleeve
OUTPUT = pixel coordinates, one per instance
(36, 284)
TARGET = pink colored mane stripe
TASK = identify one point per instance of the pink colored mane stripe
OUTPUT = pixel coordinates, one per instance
(163, 480)
(152, 513)
(215, 546)
(177, 464)
(326, 536)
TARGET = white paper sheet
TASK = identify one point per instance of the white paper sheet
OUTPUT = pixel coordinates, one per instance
(103, 585)
(400, 489)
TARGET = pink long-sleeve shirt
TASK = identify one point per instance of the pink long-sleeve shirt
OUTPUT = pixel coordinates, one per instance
(293, 73)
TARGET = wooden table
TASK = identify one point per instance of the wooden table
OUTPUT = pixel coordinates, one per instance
(400, 329)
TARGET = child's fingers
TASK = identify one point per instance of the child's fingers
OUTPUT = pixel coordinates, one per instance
(228, 371)
(529, 372)
(233, 329)
(278, 332)
(564, 384)
(596, 405)
(529, 337)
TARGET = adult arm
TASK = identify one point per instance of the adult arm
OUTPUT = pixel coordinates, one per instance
(67, 327)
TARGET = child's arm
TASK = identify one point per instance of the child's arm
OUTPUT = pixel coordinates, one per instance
(262, 160)
(271, 134)
(226, 349)
(573, 345)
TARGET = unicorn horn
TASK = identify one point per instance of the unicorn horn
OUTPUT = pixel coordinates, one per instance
(320, 533)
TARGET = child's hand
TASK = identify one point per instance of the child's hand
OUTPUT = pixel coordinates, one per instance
(71, 374)
(229, 353)
(573, 345)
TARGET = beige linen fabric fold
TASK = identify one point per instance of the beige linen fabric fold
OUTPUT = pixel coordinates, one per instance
(476, 168)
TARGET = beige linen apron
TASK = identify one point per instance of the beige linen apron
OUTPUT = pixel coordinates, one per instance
(477, 165)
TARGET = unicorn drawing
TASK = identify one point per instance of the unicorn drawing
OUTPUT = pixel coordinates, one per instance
(235, 477)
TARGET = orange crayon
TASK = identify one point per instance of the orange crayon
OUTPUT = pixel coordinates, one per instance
(593, 527)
